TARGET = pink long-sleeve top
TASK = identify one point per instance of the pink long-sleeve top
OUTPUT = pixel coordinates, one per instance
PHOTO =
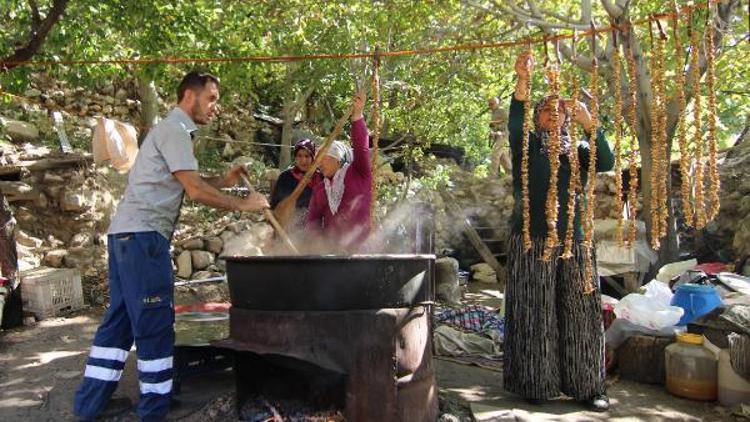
(350, 226)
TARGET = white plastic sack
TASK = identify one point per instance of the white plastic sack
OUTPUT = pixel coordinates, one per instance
(648, 311)
(115, 142)
(659, 291)
(621, 330)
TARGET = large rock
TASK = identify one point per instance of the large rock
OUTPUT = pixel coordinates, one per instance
(446, 280)
(193, 244)
(19, 131)
(27, 240)
(121, 94)
(82, 239)
(226, 235)
(71, 261)
(55, 258)
(77, 200)
(28, 259)
(184, 265)
(201, 259)
(483, 273)
(41, 201)
(263, 234)
(242, 244)
(214, 244)
(32, 93)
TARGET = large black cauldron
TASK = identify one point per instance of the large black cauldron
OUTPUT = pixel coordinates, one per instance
(329, 283)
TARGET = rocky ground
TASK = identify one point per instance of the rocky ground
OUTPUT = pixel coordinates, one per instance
(40, 368)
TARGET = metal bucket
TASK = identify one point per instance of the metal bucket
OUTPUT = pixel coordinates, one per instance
(200, 328)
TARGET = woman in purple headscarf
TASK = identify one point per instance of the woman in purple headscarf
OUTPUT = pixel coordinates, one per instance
(304, 153)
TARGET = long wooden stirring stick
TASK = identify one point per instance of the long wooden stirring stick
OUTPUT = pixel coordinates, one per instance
(269, 216)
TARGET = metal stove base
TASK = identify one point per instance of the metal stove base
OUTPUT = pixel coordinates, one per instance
(384, 356)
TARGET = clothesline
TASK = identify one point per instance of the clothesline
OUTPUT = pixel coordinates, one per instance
(399, 53)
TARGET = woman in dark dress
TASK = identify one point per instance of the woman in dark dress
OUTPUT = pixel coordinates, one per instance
(304, 154)
(554, 335)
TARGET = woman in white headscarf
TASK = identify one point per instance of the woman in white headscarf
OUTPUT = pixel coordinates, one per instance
(340, 206)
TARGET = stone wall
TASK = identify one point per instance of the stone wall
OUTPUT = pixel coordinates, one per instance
(64, 210)
(729, 235)
(27, 118)
(489, 203)
(197, 256)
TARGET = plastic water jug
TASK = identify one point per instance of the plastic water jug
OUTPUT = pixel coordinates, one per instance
(696, 300)
(691, 368)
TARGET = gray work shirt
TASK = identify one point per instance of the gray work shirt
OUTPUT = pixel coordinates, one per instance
(153, 197)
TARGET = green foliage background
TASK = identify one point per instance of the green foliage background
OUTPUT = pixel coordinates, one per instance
(436, 98)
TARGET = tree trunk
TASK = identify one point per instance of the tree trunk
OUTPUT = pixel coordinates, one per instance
(292, 104)
(149, 105)
(289, 111)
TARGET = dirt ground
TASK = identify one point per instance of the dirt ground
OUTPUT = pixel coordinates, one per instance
(41, 366)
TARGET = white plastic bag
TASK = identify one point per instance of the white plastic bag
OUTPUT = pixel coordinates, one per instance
(648, 311)
(115, 142)
(659, 291)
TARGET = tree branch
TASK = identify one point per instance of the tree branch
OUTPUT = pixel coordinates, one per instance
(37, 35)
(35, 18)
(527, 18)
(583, 20)
(615, 11)
(481, 7)
(301, 98)
(585, 11)
(643, 80)
(561, 18)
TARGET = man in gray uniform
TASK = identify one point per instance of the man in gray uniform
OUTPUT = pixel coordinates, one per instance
(140, 266)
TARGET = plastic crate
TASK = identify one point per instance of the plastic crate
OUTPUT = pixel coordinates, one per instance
(49, 292)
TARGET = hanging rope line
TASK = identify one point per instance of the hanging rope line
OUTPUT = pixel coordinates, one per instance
(311, 57)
